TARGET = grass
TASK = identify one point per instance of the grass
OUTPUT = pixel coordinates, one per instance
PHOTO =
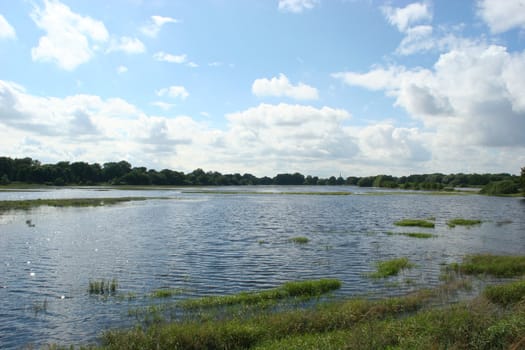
(391, 267)
(67, 202)
(462, 222)
(299, 289)
(166, 292)
(506, 294)
(495, 265)
(299, 240)
(103, 287)
(415, 223)
(412, 234)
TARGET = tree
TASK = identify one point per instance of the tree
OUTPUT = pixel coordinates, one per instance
(523, 181)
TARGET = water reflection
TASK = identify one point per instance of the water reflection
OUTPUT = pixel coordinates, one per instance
(209, 243)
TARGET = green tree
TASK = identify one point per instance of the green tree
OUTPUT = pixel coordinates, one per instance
(523, 181)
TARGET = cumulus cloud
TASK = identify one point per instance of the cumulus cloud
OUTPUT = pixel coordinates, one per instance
(174, 92)
(166, 57)
(127, 45)
(6, 30)
(297, 6)
(472, 96)
(281, 87)
(502, 16)
(153, 28)
(70, 39)
(122, 69)
(405, 17)
(290, 132)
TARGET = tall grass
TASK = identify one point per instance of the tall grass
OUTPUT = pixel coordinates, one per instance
(390, 267)
(496, 265)
(103, 286)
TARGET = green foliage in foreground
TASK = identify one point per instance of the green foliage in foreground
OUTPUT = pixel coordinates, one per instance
(415, 223)
(496, 265)
(66, 202)
(299, 289)
(391, 267)
(412, 234)
(462, 222)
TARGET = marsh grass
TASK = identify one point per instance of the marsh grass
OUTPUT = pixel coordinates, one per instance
(412, 234)
(166, 292)
(415, 223)
(462, 222)
(390, 267)
(103, 287)
(299, 240)
(505, 294)
(69, 202)
(298, 289)
(495, 265)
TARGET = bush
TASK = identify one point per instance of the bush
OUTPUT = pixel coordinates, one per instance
(500, 188)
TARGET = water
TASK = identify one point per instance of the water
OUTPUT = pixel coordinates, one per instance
(211, 243)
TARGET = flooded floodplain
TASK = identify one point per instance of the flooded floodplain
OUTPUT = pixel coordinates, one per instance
(218, 241)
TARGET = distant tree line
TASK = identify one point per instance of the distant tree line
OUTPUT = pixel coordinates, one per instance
(27, 170)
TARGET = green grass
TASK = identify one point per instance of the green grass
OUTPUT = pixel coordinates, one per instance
(495, 265)
(103, 287)
(166, 292)
(462, 222)
(390, 267)
(304, 193)
(505, 294)
(415, 223)
(412, 234)
(69, 202)
(299, 240)
(299, 289)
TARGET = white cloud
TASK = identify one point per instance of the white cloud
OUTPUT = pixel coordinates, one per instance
(502, 15)
(152, 29)
(297, 6)
(174, 92)
(406, 17)
(122, 69)
(127, 45)
(6, 30)
(166, 57)
(281, 87)
(163, 105)
(472, 97)
(70, 39)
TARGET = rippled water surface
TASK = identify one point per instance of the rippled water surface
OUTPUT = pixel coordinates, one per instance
(216, 243)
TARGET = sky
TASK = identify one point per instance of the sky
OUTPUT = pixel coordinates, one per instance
(320, 87)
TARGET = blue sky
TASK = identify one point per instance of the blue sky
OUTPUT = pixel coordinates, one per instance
(322, 87)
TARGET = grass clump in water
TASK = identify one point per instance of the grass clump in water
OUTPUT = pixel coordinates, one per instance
(391, 267)
(415, 223)
(165, 293)
(495, 265)
(505, 294)
(299, 240)
(299, 289)
(462, 222)
(412, 234)
(103, 287)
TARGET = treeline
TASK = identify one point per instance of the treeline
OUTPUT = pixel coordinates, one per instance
(27, 170)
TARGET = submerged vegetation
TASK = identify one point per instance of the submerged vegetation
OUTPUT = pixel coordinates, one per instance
(415, 223)
(69, 202)
(298, 289)
(299, 240)
(391, 267)
(463, 222)
(412, 234)
(103, 287)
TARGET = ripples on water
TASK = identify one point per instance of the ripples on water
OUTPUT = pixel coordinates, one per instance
(221, 244)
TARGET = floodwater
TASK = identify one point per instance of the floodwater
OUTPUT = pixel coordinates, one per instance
(215, 243)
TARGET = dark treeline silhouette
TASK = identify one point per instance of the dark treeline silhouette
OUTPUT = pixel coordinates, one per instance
(27, 170)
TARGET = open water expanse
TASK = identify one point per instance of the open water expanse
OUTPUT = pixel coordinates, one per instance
(215, 243)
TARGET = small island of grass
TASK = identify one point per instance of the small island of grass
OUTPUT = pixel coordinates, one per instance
(462, 222)
(415, 223)
(422, 235)
(391, 267)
